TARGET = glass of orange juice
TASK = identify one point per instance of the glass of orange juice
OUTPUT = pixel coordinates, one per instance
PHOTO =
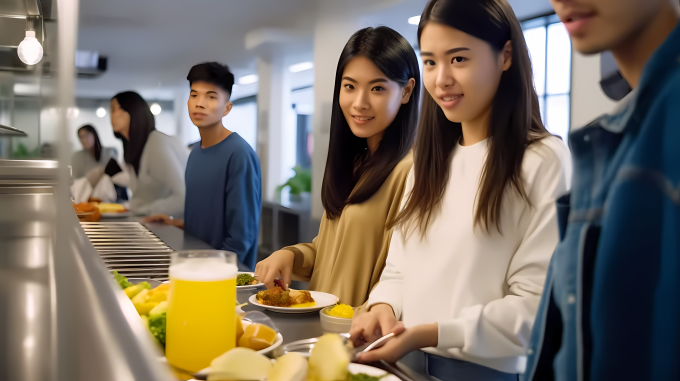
(201, 307)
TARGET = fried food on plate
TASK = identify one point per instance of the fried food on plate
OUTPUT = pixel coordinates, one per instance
(276, 297)
(106, 207)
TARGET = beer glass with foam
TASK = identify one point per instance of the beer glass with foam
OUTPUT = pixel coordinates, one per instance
(201, 308)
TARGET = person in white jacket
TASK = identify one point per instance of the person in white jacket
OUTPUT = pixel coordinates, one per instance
(154, 162)
(477, 226)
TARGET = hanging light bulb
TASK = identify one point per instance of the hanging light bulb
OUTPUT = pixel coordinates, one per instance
(156, 109)
(30, 51)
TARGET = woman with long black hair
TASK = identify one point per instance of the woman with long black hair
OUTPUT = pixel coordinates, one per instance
(92, 155)
(374, 117)
(478, 225)
(154, 162)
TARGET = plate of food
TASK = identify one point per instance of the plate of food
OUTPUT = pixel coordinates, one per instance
(329, 360)
(112, 210)
(287, 301)
(247, 281)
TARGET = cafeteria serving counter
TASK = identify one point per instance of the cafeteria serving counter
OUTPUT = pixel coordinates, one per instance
(62, 316)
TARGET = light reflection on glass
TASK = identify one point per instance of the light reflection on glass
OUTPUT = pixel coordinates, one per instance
(559, 60)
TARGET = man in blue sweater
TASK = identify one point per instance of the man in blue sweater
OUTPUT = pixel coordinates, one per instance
(223, 184)
(611, 304)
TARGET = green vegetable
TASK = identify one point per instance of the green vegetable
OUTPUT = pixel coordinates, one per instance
(122, 281)
(244, 279)
(364, 377)
(157, 318)
(144, 285)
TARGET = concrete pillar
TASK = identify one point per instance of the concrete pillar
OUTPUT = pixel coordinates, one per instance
(275, 124)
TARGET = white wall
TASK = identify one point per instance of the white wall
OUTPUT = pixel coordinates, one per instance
(587, 99)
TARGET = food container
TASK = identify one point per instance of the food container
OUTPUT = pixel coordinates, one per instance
(89, 216)
(332, 324)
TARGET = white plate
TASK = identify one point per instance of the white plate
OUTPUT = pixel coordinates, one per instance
(322, 300)
(250, 286)
(118, 215)
(371, 371)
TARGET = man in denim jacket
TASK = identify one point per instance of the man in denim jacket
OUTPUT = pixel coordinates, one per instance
(611, 304)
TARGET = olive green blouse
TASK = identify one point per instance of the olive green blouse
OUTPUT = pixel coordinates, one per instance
(348, 256)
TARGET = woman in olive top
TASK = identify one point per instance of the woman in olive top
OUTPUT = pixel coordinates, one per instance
(373, 124)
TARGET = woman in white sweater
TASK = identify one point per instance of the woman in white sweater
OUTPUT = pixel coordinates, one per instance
(154, 162)
(477, 228)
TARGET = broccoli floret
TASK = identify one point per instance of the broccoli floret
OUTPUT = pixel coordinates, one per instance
(244, 279)
(122, 281)
(157, 318)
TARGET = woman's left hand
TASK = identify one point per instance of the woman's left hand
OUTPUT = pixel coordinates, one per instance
(407, 340)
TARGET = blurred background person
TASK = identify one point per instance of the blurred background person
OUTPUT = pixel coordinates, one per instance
(154, 162)
(92, 154)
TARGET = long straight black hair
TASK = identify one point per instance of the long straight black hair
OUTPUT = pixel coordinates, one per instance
(515, 120)
(141, 125)
(352, 176)
(97, 143)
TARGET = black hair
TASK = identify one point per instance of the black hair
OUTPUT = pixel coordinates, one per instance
(515, 121)
(212, 72)
(351, 175)
(142, 124)
(97, 143)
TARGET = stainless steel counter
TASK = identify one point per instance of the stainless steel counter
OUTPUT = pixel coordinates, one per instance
(61, 316)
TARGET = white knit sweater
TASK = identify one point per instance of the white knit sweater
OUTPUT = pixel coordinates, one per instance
(483, 289)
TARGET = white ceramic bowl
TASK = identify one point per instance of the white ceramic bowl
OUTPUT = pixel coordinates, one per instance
(332, 324)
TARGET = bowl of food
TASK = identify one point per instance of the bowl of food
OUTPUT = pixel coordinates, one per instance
(87, 212)
(337, 319)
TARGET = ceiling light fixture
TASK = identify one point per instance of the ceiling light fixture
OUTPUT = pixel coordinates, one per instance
(156, 109)
(101, 112)
(248, 79)
(30, 51)
(302, 66)
(415, 20)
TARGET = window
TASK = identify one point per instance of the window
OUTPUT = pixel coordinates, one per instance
(550, 51)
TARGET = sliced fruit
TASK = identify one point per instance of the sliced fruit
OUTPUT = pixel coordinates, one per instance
(156, 296)
(239, 364)
(140, 297)
(257, 337)
(239, 329)
(145, 308)
(329, 359)
(289, 367)
(132, 291)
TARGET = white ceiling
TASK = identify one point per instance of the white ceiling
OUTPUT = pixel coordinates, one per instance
(151, 44)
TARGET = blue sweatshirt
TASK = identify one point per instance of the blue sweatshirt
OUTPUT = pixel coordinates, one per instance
(224, 197)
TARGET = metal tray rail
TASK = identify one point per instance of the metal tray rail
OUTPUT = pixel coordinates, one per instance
(130, 248)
